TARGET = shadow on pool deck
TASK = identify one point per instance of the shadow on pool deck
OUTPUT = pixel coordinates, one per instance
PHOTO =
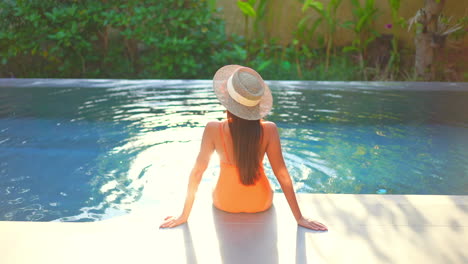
(398, 228)
(362, 229)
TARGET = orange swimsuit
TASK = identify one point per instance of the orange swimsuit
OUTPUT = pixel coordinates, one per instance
(232, 196)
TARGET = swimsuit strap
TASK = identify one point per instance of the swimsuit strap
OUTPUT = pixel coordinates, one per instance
(222, 139)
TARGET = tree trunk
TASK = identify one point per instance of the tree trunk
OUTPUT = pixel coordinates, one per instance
(424, 56)
(425, 49)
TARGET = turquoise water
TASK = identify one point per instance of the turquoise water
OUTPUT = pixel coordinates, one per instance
(85, 151)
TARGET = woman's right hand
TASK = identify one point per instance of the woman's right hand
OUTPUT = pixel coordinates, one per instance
(311, 224)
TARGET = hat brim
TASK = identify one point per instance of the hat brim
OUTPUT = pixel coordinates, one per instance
(250, 113)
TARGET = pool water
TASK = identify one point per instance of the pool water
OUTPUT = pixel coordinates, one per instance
(90, 150)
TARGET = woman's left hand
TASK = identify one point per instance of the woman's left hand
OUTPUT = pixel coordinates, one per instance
(172, 221)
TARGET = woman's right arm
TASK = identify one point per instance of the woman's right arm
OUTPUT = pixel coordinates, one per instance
(275, 156)
(206, 149)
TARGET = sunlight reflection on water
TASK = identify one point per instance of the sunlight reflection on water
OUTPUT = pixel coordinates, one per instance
(86, 154)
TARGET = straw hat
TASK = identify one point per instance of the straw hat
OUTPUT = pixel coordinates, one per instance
(243, 92)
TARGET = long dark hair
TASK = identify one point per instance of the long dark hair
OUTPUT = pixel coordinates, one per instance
(246, 140)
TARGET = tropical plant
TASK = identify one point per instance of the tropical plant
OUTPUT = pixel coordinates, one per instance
(252, 9)
(211, 5)
(443, 28)
(261, 11)
(364, 16)
(328, 16)
(393, 65)
(247, 8)
(256, 11)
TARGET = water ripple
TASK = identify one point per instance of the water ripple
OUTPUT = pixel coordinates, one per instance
(91, 153)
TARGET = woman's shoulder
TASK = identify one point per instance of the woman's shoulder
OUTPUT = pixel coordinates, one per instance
(269, 125)
(270, 130)
(212, 125)
(211, 129)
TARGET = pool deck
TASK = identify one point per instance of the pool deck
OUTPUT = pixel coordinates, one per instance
(362, 229)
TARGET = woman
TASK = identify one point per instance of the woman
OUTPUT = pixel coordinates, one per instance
(241, 142)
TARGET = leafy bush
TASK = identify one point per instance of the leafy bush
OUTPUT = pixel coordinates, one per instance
(111, 39)
(39, 37)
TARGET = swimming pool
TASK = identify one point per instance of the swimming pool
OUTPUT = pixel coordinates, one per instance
(85, 150)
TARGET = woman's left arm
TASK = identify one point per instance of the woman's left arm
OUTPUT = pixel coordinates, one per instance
(206, 149)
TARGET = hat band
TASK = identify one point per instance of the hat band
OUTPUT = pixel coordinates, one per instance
(237, 97)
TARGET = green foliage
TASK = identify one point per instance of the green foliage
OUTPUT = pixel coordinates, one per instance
(305, 33)
(184, 39)
(277, 62)
(247, 7)
(121, 39)
(45, 35)
(257, 11)
(261, 11)
(362, 25)
(463, 24)
(212, 5)
(395, 7)
(393, 66)
(327, 15)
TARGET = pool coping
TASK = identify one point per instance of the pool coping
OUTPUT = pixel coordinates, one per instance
(362, 229)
